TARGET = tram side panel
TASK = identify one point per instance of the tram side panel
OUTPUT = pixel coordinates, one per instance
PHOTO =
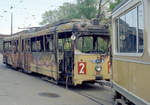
(14, 54)
(41, 61)
(133, 77)
(131, 73)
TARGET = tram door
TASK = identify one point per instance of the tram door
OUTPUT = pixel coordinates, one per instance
(66, 56)
(26, 54)
(14, 55)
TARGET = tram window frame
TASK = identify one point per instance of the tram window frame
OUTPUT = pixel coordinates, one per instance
(8, 48)
(65, 42)
(27, 45)
(15, 46)
(35, 42)
(48, 47)
(81, 46)
(117, 31)
(22, 45)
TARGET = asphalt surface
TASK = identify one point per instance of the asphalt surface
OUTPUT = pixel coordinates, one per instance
(17, 88)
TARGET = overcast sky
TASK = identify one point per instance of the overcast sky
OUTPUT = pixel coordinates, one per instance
(26, 13)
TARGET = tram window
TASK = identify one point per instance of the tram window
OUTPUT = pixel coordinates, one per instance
(7, 46)
(67, 44)
(15, 46)
(49, 43)
(10, 46)
(22, 45)
(85, 44)
(27, 45)
(117, 28)
(128, 39)
(37, 44)
(60, 44)
(92, 44)
(140, 28)
(102, 45)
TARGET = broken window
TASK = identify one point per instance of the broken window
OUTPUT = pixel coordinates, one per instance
(37, 44)
(48, 43)
(7, 46)
(65, 42)
(92, 44)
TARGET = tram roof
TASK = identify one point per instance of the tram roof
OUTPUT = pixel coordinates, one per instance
(62, 26)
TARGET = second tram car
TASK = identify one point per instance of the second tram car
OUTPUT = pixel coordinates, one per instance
(131, 52)
(70, 51)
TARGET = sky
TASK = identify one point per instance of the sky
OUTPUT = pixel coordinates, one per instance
(26, 13)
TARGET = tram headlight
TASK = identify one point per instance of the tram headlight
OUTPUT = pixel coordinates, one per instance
(98, 68)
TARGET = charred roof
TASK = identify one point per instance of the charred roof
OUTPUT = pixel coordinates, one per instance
(71, 25)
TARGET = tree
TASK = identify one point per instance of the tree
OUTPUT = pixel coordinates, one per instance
(87, 8)
(82, 9)
(114, 4)
(68, 11)
(49, 17)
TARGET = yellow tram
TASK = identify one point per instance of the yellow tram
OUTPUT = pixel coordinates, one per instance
(70, 51)
(131, 52)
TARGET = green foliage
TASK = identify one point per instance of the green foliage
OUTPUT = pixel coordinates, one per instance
(67, 11)
(102, 45)
(49, 17)
(87, 8)
(82, 9)
(114, 4)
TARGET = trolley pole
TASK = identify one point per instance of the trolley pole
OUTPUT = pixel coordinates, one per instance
(11, 23)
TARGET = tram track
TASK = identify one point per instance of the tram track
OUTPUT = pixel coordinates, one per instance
(93, 98)
(79, 90)
(89, 97)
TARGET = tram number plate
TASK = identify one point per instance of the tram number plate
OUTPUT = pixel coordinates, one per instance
(82, 68)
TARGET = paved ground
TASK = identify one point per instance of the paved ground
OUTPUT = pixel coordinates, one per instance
(17, 88)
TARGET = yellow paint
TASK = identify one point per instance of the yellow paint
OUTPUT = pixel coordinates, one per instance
(133, 77)
(90, 68)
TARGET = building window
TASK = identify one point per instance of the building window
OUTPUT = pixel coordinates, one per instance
(129, 29)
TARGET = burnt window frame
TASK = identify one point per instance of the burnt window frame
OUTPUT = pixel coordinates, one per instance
(27, 45)
(96, 46)
(35, 40)
(63, 37)
(51, 36)
(8, 49)
(15, 46)
(22, 48)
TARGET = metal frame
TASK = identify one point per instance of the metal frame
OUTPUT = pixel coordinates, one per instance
(130, 96)
(114, 29)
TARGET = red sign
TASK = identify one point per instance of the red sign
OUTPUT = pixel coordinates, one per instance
(82, 68)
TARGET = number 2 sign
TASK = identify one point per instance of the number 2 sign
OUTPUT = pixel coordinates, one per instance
(81, 67)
